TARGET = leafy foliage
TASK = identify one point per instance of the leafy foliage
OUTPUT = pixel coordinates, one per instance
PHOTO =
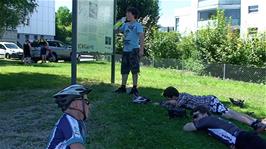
(218, 42)
(64, 25)
(15, 12)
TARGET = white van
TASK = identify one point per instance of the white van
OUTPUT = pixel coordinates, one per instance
(10, 50)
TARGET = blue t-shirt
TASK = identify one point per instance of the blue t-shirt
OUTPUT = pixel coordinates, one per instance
(131, 35)
(67, 131)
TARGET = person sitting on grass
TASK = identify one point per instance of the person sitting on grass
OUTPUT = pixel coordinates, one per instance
(188, 101)
(70, 130)
(224, 130)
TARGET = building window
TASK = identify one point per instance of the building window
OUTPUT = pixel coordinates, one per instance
(18, 36)
(35, 37)
(252, 31)
(253, 8)
(176, 24)
(27, 37)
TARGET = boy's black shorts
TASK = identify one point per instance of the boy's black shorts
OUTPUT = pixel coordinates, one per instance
(43, 51)
(130, 62)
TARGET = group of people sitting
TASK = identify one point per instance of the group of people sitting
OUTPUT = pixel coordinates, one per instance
(70, 130)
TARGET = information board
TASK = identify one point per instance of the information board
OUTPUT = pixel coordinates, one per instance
(95, 26)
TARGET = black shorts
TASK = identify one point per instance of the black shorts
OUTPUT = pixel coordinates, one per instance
(130, 62)
(248, 140)
(27, 54)
(43, 51)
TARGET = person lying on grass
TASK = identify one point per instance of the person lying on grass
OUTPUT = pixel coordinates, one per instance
(185, 100)
(223, 130)
(70, 130)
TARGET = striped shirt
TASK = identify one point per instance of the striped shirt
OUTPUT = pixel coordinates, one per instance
(191, 101)
(67, 131)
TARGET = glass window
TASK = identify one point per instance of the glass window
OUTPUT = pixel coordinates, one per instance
(53, 44)
(11, 46)
(2, 47)
(253, 8)
(35, 37)
(177, 24)
(252, 30)
(60, 44)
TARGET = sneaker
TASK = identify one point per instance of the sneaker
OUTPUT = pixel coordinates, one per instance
(121, 90)
(239, 103)
(134, 91)
(258, 126)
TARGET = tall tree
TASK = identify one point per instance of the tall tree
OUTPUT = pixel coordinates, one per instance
(64, 16)
(63, 25)
(15, 12)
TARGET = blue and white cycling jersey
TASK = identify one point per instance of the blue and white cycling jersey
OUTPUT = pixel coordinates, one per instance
(67, 131)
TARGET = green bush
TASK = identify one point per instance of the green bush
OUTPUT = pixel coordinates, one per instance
(218, 42)
(164, 45)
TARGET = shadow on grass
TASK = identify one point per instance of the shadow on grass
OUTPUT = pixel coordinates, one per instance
(6, 63)
(115, 122)
(18, 81)
(93, 62)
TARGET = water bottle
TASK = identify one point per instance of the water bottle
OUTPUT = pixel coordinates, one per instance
(120, 23)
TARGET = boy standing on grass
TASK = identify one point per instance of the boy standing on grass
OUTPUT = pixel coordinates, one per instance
(132, 51)
(70, 130)
(224, 131)
(173, 98)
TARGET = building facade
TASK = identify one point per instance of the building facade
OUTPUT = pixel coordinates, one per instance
(40, 22)
(186, 20)
(253, 13)
(207, 9)
(246, 15)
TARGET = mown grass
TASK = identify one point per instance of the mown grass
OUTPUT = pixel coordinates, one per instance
(28, 113)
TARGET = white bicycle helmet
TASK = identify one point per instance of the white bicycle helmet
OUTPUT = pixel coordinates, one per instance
(64, 97)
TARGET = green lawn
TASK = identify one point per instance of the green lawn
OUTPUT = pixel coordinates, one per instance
(28, 114)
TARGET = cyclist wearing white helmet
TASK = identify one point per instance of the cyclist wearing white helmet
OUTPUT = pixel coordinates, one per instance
(70, 130)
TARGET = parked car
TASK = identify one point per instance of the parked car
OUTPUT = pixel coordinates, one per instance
(59, 50)
(10, 50)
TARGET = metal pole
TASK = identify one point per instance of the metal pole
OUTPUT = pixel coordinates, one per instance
(224, 68)
(113, 54)
(74, 42)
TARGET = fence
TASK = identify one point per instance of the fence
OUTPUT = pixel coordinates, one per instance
(223, 71)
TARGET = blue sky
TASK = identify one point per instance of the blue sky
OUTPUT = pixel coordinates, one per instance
(167, 9)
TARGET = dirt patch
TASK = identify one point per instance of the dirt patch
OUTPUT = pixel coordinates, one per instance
(27, 119)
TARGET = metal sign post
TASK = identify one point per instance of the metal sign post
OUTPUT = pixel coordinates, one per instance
(74, 42)
(114, 41)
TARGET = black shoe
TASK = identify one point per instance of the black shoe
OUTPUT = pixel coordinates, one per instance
(121, 90)
(258, 126)
(134, 91)
(239, 103)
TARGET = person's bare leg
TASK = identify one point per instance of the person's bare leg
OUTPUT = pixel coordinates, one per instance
(239, 117)
(135, 80)
(124, 79)
(42, 58)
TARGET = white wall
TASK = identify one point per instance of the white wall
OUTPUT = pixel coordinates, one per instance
(42, 21)
(187, 20)
(255, 19)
